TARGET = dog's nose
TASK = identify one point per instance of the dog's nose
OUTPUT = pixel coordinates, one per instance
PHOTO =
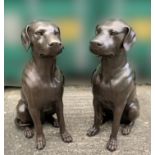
(95, 44)
(55, 44)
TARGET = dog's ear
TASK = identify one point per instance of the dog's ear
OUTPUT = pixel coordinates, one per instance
(97, 26)
(58, 29)
(129, 38)
(25, 38)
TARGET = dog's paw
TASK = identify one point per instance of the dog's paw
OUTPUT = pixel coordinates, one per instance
(40, 142)
(28, 132)
(55, 123)
(112, 144)
(92, 131)
(66, 137)
(126, 129)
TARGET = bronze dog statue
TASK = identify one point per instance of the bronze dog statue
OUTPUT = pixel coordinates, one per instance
(114, 88)
(42, 83)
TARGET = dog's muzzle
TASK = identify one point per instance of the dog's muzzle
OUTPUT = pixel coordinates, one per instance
(55, 46)
(95, 47)
(99, 49)
(54, 49)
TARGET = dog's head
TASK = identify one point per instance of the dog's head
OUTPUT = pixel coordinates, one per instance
(111, 37)
(43, 37)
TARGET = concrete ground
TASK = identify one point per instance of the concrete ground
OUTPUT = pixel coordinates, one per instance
(78, 112)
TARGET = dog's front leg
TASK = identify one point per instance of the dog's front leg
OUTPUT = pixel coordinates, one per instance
(66, 137)
(117, 113)
(40, 138)
(97, 119)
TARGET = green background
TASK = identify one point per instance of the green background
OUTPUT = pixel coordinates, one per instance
(76, 60)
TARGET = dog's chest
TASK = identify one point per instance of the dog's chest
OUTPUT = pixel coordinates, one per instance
(110, 90)
(103, 89)
(50, 90)
(49, 93)
(45, 87)
(45, 91)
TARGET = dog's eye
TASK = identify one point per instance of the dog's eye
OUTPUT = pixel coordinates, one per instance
(98, 30)
(113, 32)
(40, 33)
(56, 32)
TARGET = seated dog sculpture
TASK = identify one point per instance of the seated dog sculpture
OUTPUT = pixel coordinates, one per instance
(114, 88)
(42, 83)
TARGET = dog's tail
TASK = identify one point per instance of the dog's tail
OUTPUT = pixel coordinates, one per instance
(21, 124)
